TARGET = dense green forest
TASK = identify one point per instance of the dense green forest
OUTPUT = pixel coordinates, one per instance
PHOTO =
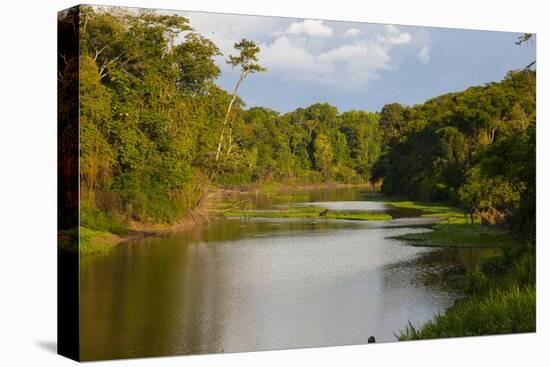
(475, 149)
(154, 134)
(153, 128)
(157, 134)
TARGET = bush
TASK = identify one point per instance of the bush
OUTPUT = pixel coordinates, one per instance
(512, 310)
(497, 303)
(476, 281)
(97, 219)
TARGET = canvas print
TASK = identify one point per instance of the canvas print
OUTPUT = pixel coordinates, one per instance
(234, 183)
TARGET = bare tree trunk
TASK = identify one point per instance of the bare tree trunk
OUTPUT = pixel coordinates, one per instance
(218, 151)
(216, 169)
(202, 196)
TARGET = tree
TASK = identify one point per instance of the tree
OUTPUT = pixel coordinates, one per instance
(247, 63)
(524, 38)
(443, 142)
(324, 155)
(392, 119)
(196, 65)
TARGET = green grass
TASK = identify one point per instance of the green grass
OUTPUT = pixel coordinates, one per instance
(500, 299)
(451, 217)
(425, 206)
(454, 228)
(359, 216)
(497, 312)
(449, 234)
(309, 213)
(91, 241)
(100, 221)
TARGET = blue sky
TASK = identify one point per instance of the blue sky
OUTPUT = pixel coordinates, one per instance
(358, 65)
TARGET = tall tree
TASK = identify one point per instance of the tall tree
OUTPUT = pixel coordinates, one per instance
(247, 63)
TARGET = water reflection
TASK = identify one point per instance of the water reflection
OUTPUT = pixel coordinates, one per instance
(259, 284)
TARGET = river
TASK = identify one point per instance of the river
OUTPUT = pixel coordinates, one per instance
(261, 284)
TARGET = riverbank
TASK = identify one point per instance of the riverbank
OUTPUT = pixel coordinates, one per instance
(500, 293)
(104, 232)
(451, 228)
(454, 228)
(500, 298)
(89, 241)
(499, 286)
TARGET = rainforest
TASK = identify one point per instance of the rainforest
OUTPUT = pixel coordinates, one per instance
(170, 161)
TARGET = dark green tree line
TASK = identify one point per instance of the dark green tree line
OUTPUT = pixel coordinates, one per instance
(475, 148)
(156, 130)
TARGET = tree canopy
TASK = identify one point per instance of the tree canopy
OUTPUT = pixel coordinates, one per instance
(155, 126)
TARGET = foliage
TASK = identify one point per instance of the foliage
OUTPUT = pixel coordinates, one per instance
(194, 59)
(248, 58)
(496, 304)
(499, 312)
(152, 136)
(475, 149)
(156, 130)
(93, 242)
(86, 241)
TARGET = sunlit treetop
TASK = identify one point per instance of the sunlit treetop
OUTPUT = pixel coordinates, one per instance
(248, 57)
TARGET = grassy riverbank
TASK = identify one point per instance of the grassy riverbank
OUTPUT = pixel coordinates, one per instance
(308, 213)
(101, 231)
(454, 229)
(500, 293)
(500, 299)
(91, 241)
(446, 234)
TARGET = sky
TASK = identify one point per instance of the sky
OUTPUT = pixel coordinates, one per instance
(357, 65)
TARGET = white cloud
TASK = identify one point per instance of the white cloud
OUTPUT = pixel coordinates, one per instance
(227, 29)
(284, 56)
(345, 65)
(424, 55)
(353, 32)
(305, 50)
(394, 36)
(308, 27)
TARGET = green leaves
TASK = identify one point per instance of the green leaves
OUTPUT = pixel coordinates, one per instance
(474, 148)
(247, 60)
(196, 66)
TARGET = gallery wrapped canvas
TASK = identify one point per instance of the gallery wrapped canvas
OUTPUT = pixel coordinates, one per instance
(232, 183)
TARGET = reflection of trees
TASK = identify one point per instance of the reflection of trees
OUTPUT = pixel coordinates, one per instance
(160, 302)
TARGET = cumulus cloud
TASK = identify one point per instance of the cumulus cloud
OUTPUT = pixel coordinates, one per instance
(227, 29)
(424, 55)
(306, 50)
(394, 36)
(349, 66)
(284, 56)
(353, 32)
(308, 27)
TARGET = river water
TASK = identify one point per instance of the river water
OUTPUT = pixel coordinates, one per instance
(260, 284)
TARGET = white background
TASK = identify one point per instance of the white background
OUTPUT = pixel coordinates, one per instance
(28, 182)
